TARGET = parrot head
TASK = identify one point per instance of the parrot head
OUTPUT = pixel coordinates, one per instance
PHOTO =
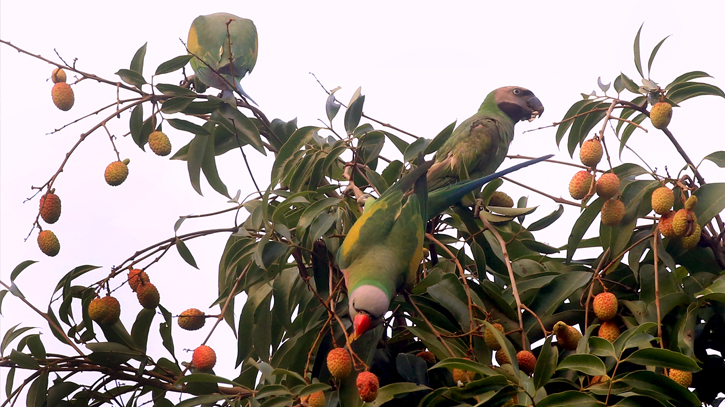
(518, 103)
(367, 305)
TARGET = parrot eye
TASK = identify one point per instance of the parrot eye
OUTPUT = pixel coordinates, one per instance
(517, 91)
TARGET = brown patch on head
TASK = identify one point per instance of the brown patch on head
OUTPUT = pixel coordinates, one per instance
(518, 103)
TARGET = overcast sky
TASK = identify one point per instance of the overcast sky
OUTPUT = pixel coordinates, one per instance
(421, 66)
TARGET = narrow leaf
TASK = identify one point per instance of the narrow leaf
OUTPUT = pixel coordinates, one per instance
(185, 253)
(132, 78)
(654, 52)
(637, 58)
(19, 268)
(185, 125)
(173, 64)
(353, 114)
(138, 58)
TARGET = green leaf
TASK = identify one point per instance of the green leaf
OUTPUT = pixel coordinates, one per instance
(353, 114)
(206, 399)
(575, 109)
(3, 293)
(387, 393)
(195, 159)
(545, 363)
(718, 157)
(587, 364)
(680, 93)
(10, 336)
(571, 398)
(176, 104)
(205, 378)
(141, 327)
(710, 202)
(19, 269)
(208, 165)
(173, 64)
(241, 126)
(652, 55)
(37, 393)
(272, 390)
(601, 347)
(581, 226)
(173, 90)
(547, 220)
(687, 77)
(663, 358)
(23, 360)
(36, 346)
(132, 78)
(637, 58)
(185, 125)
(440, 139)
(137, 61)
(332, 106)
(136, 124)
(284, 159)
(185, 253)
(419, 145)
(660, 387)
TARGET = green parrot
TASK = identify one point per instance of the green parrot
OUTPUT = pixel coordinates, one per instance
(209, 42)
(381, 253)
(480, 143)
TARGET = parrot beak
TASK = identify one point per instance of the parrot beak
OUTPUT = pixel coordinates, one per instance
(361, 324)
(535, 106)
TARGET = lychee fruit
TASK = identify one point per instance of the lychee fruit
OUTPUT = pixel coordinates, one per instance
(135, 277)
(502, 358)
(339, 363)
(605, 306)
(662, 200)
(50, 207)
(665, 225)
(463, 376)
(691, 202)
(58, 75)
(660, 115)
(204, 358)
(501, 199)
(116, 172)
(683, 223)
(104, 310)
(148, 295)
(567, 336)
(682, 378)
(690, 242)
(191, 319)
(527, 361)
(48, 243)
(599, 379)
(607, 185)
(612, 212)
(511, 402)
(159, 143)
(63, 96)
(490, 339)
(428, 356)
(591, 152)
(580, 184)
(609, 331)
(367, 386)
(316, 399)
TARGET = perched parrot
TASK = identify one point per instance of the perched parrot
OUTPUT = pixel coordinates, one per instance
(480, 143)
(381, 253)
(209, 42)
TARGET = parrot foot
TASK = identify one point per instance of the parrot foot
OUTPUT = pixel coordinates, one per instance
(477, 207)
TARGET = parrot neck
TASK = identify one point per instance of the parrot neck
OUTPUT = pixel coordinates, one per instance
(492, 109)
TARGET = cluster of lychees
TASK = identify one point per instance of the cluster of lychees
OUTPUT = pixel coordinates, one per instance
(606, 187)
(62, 93)
(681, 224)
(339, 363)
(107, 310)
(50, 213)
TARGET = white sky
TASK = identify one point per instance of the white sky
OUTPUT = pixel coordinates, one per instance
(421, 65)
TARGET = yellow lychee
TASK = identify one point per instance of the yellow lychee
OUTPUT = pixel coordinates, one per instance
(612, 212)
(690, 242)
(316, 399)
(605, 306)
(463, 376)
(490, 339)
(367, 386)
(63, 96)
(684, 379)
(662, 200)
(116, 172)
(660, 115)
(580, 184)
(502, 358)
(48, 243)
(135, 277)
(567, 336)
(159, 143)
(691, 202)
(501, 199)
(204, 358)
(683, 223)
(104, 310)
(527, 361)
(609, 331)
(148, 295)
(58, 75)
(50, 207)
(665, 225)
(191, 319)
(591, 152)
(339, 363)
(607, 185)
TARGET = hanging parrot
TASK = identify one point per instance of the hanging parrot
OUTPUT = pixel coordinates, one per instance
(480, 143)
(381, 253)
(209, 43)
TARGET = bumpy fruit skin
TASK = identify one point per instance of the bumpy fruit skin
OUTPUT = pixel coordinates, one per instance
(148, 295)
(510, 403)
(191, 319)
(367, 386)
(48, 243)
(660, 115)
(691, 202)
(580, 184)
(666, 225)
(682, 378)
(63, 96)
(662, 200)
(204, 358)
(159, 143)
(690, 242)
(116, 173)
(501, 357)
(599, 379)
(339, 363)
(104, 310)
(605, 306)
(428, 356)
(609, 331)
(607, 185)
(683, 223)
(567, 336)
(58, 75)
(135, 277)
(501, 199)
(490, 339)
(591, 153)
(612, 212)
(463, 376)
(50, 207)
(316, 399)
(527, 361)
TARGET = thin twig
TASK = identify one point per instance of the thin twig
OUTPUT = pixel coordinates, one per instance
(435, 332)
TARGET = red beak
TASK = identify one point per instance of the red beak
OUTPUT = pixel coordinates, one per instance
(361, 324)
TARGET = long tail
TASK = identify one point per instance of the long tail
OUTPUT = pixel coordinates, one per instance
(440, 199)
